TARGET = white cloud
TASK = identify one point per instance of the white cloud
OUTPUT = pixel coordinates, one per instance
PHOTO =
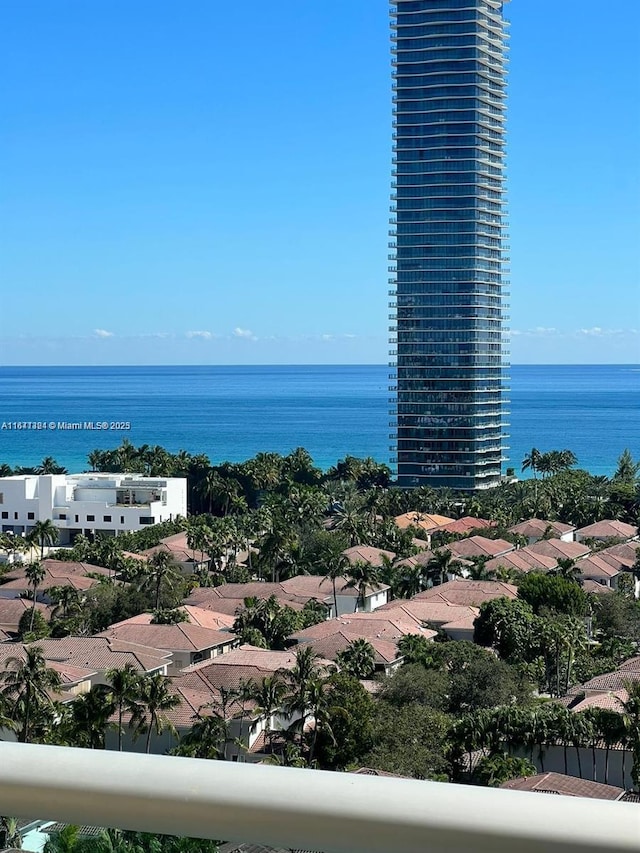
(102, 333)
(247, 334)
(206, 336)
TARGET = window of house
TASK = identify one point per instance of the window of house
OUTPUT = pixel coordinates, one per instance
(1, 497)
(91, 518)
(15, 515)
(122, 519)
(5, 515)
(31, 516)
(147, 519)
(106, 518)
(77, 518)
(63, 516)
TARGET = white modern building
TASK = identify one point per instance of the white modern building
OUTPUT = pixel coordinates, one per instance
(89, 503)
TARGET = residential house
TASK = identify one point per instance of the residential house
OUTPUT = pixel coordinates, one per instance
(56, 573)
(565, 786)
(478, 546)
(558, 549)
(522, 561)
(467, 593)
(535, 529)
(607, 529)
(187, 643)
(456, 621)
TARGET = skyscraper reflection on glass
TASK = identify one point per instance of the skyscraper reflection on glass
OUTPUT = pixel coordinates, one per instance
(448, 249)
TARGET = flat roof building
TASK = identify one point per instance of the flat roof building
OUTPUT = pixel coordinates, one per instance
(447, 237)
(89, 503)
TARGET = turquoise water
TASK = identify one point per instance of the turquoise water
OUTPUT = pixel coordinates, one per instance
(231, 413)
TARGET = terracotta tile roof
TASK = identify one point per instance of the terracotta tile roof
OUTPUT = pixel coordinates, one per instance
(595, 567)
(558, 549)
(368, 771)
(330, 647)
(179, 555)
(609, 681)
(435, 612)
(478, 546)
(593, 586)
(467, 592)
(464, 525)
(568, 786)
(180, 637)
(101, 653)
(384, 626)
(367, 554)
(11, 609)
(522, 560)
(630, 665)
(71, 674)
(608, 529)
(197, 616)
(611, 701)
(536, 527)
(246, 663)
(423, 558)
(463, 623)
(623, 555)
(423, 520)
(76, 581)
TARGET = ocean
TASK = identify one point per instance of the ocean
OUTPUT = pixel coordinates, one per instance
(232, 413)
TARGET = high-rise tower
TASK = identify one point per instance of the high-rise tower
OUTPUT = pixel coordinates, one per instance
(448, 232)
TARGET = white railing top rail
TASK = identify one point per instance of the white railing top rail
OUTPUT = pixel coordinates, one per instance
(302, 809)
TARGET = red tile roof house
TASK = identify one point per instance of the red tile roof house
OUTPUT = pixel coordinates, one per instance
(455, 620)
(523, 560)
(12, 609)
(101, 654)
(382, 630)
(559, 550)
(187, 643)
(595, 568)
(200, 685)
(467, 593)
(425, 522)
(465, 525)
(567, 786)
(189, 560)
(57, 573)
(535, 529)
(294, 592)
(478, 546)
(607, 529)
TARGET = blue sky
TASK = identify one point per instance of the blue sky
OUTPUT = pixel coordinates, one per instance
(208, 182)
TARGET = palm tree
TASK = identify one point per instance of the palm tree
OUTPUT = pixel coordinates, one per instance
(362, 576)
(532, 461)
(269, 696)
(50, 466)
(45, 533)
(90, 714)
(10, 828)
(207, 738)
(35, 574)
(441, 564)
(335, 568)
(160, 573)
(155, 699)
(26, 685)
(358, 659)
(409, 580)
(125, 690)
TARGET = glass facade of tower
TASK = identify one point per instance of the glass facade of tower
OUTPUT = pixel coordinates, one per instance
(448, 242)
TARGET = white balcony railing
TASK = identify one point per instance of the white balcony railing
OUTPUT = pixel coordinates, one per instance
(302, 809)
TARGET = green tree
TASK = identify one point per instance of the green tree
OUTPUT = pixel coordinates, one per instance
(362, 577)
(90, 713)
(26, 686)
(35, 574)
(554, 593)
(125, 690)
(33, 626)
(493, 771)
(358, 659)
(507, 625)
(155, 700)
(410, 740)
(45, 533)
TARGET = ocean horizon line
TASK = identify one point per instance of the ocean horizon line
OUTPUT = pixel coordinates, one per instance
(305, 364)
